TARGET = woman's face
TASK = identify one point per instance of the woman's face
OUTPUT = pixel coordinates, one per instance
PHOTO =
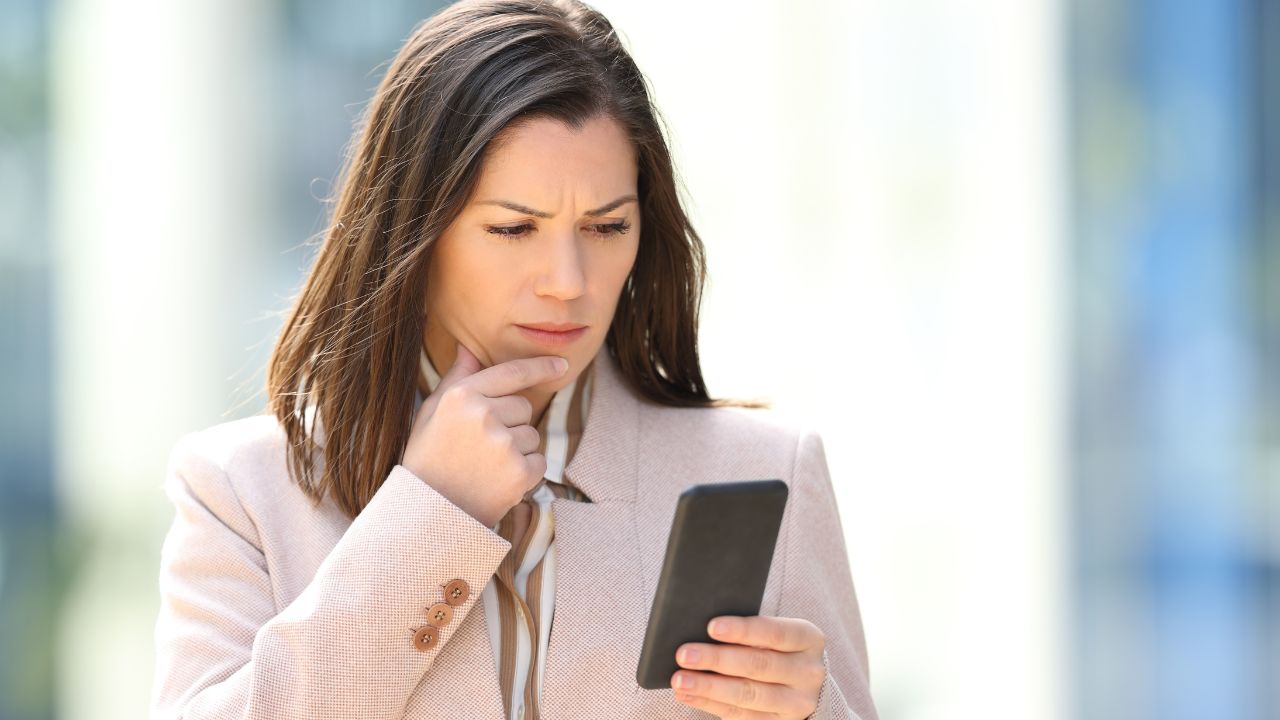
(549, 236)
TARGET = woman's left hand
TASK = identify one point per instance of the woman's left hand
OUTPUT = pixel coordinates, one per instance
(770, 667)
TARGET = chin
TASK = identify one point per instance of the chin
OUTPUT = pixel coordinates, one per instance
(569, 376)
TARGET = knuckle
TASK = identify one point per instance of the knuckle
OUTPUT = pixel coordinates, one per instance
(453, 397)
(747, 693)
(777, 635)
(504, 441)
(760, 663)
(538, 463)
(516, 477)
(518, 371)
(477, 413)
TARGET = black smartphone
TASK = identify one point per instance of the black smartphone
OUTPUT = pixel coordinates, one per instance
(717, 562)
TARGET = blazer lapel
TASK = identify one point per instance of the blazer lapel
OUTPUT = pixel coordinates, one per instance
(600, 603)
(604, 465)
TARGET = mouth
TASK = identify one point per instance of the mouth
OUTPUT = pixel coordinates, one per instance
(553, 334)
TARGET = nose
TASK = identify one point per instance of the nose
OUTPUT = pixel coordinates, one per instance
(562, 276)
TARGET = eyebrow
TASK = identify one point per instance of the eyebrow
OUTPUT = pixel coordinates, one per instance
(538, 213)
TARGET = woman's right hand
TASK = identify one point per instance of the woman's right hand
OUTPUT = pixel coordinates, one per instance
(471, 439)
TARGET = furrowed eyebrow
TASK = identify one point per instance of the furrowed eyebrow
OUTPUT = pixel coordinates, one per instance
(538, 213)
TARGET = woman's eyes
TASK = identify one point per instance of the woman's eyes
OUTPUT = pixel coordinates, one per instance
(516, 232)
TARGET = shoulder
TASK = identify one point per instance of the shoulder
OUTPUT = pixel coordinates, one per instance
(236, 444)
(227, 464)
(729, 424)
(733, 437)
(231, 480)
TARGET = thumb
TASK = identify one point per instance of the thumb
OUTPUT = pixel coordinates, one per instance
(465, 364)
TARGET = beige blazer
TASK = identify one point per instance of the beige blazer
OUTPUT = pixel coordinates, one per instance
(273, 608)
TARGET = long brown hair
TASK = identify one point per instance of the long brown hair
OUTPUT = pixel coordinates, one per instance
(351, 342)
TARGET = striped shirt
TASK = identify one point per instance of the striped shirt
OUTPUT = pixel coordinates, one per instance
(520, 605)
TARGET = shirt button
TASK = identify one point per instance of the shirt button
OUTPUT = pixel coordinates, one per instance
(456, 592)
(440, 614)
(425, 637)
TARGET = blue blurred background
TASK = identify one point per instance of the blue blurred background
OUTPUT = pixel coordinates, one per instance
(1044, 237)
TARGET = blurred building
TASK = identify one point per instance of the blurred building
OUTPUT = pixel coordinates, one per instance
(1175, 163)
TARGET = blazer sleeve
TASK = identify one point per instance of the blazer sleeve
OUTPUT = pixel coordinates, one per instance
(817, 585)
(343, 648)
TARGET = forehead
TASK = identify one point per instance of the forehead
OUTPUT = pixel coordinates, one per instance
(542, 150)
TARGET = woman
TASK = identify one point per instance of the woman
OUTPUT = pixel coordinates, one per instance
(484, 405)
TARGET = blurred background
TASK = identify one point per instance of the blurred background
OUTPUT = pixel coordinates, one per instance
(1018, 260)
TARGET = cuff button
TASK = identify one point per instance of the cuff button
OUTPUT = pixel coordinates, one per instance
(456, 592)
(425, 637)
(439, 614)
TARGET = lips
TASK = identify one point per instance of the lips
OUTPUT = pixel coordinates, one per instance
(553, 334)
(553, 327)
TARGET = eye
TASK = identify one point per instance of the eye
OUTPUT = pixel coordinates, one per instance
(513, 232)
(517, 232)
(610, 229)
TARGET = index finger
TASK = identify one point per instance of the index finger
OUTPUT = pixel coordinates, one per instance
(774, 633)
(512, 376)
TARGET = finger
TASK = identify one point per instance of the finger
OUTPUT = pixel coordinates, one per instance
(465, 364)
(526, 438)
(738, 692)
(719, 709)
(513, 376)
(535, 465)
(763, 631)
(794, 669)
(512, 410)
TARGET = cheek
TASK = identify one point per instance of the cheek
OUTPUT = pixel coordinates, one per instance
(608, 276)
(470, 291)
(614, 267)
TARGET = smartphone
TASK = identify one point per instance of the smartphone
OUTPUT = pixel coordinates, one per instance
(717, 562)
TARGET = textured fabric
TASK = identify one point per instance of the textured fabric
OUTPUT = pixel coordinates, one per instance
(521, 604)
(274, 607)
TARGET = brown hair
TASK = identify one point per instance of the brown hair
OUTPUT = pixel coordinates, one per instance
(352, 340)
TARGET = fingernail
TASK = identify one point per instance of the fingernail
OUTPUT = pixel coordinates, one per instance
(681, 681)
(691, 655)
(561, 364)
(718, 627)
